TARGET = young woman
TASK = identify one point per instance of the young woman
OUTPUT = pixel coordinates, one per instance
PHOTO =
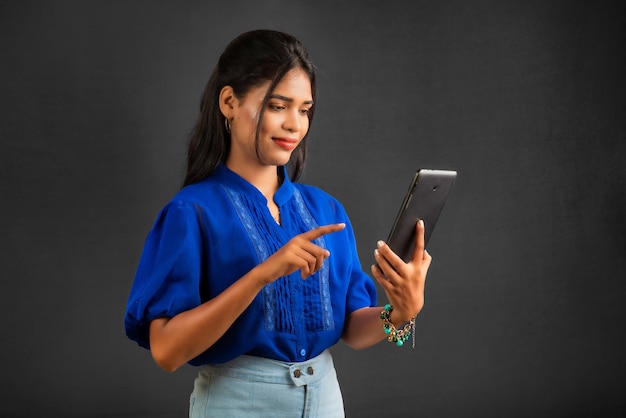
(251, 275)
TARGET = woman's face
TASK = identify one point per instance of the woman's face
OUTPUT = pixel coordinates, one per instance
(285, 122)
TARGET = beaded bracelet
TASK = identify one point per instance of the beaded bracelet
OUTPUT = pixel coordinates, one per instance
(398, 336)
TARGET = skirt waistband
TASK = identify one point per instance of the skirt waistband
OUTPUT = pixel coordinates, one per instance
(274, 371)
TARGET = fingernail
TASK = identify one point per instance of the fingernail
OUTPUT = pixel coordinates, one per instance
(421, 223)
(380, 243)
(375, 253)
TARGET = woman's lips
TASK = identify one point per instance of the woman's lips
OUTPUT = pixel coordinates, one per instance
(286, 143)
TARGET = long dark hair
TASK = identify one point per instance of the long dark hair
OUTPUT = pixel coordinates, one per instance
(251, 59)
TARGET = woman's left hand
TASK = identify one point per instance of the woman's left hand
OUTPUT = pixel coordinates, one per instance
(403, 282)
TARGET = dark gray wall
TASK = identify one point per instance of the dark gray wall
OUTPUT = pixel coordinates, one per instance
(525, 312)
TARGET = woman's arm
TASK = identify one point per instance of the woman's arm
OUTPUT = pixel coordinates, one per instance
(363, 328)
(403, 284)
(174, 341)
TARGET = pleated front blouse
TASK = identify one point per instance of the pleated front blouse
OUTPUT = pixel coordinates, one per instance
(215, 231)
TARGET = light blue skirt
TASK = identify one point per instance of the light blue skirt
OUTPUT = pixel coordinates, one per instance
(256, 387)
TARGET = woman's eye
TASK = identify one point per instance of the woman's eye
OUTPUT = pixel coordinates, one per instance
(305, 111)
(276, 108)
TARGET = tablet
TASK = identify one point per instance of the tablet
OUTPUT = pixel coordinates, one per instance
(424, 200)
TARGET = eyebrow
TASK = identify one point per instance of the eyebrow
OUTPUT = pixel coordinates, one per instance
(288, 99)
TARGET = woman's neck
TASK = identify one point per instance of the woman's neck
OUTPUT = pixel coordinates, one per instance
(264, 178)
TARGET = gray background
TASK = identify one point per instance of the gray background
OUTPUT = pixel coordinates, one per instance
(525, 298)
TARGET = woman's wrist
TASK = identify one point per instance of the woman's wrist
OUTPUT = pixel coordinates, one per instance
(397, 334)
(399, 318)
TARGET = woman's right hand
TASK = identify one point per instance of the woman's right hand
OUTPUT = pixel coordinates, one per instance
(300, 253)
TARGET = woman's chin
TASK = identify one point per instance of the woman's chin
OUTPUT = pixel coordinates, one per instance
(279, 160)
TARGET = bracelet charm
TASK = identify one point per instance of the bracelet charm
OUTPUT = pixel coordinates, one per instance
(397, 336)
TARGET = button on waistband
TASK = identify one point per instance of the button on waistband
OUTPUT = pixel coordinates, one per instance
(298, 373)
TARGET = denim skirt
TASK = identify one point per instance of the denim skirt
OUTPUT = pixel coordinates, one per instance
(256, 387)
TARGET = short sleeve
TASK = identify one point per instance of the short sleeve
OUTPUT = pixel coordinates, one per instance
(362, 290)
(167, 281)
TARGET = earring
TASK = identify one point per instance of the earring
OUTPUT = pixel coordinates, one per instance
(227, 125)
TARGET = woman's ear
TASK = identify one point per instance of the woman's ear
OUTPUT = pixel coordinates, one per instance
(227, 101)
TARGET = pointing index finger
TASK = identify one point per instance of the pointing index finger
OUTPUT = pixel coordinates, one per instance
(323, 230)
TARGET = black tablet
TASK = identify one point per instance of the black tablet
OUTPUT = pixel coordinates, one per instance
(424, 200)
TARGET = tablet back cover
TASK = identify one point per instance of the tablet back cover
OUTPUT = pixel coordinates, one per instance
(424, 200)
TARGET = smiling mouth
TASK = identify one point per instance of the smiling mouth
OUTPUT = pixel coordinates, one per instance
(286, 143)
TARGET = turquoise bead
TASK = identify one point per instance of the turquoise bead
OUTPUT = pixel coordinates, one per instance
(399, 343)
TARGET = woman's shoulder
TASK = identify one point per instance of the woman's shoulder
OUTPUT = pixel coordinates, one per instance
(205, 193)
(315, 197)
(309, 191)
(204, 188)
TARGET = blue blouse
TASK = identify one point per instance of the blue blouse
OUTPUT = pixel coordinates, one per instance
(215, 231)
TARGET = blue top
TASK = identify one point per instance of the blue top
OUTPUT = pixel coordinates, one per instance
(215, 231)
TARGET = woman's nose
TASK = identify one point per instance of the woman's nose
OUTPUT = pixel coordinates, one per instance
(292, 121)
